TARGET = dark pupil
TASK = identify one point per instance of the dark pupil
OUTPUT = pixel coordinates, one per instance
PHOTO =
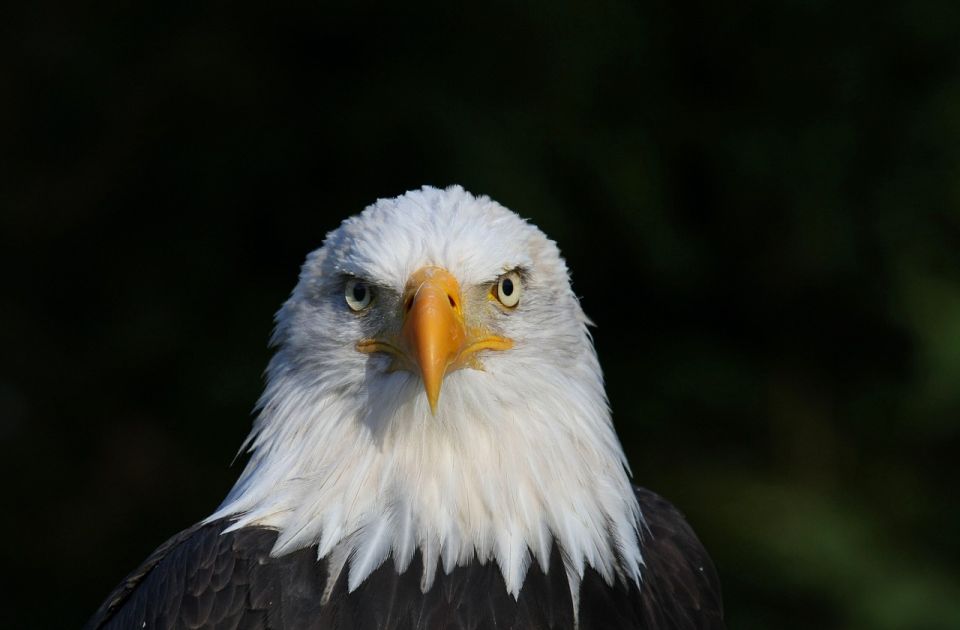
(506, 287)
(359, 292)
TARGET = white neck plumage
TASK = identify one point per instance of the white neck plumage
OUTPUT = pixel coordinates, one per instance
(368, 473)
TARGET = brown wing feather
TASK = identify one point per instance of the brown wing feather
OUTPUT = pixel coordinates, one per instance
(203, 578)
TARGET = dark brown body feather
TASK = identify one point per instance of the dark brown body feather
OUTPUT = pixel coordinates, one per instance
(202, 578)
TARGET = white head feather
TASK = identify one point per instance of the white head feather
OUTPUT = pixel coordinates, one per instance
(348, 456)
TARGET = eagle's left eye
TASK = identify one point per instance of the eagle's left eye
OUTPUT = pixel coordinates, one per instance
(358, 294)
(507, 289)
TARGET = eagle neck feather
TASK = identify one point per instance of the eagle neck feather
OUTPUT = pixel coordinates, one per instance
(367, 472)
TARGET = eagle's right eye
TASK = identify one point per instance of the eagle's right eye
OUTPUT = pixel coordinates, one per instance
(358, 294)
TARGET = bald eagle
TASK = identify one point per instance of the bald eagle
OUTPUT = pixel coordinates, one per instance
(433, 449)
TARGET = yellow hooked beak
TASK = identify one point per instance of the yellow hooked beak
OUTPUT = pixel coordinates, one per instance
(434, 336)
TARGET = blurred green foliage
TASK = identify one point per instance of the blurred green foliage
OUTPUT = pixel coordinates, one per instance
(759, 204)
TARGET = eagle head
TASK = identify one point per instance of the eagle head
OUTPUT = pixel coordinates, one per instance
(435, 390)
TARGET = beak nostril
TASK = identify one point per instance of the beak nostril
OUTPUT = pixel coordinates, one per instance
(453, 302)
(408, 305)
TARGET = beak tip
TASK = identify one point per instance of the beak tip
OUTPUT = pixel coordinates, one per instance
(432, 398)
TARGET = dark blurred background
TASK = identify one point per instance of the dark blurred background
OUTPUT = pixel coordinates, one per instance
(760, 204)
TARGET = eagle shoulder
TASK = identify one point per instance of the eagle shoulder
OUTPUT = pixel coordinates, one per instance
(679, 588)
(203, 578)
